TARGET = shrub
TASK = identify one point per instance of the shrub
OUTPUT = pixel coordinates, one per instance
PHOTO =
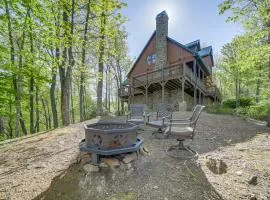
(258, 112)
(241, 110)
(219, 109)
(243, 102)
(246, 102)
(230, 103)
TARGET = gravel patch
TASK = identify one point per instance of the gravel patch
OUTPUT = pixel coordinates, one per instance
(49, 166)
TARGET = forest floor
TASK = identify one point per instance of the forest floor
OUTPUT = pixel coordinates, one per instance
(49, 165)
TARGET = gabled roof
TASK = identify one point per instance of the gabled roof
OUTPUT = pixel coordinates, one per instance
(195, 45)
(182, 46)
(207, 51)
(153, 34)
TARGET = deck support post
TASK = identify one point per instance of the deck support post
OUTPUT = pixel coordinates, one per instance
(163, 91)
(200, 97)
(183, 89)
(146, 94)
(195, 96)
(195, 84)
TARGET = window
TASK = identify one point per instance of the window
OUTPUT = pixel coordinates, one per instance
(151, 59)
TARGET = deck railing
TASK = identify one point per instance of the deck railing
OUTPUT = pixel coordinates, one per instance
(158, 75)
(168, 73)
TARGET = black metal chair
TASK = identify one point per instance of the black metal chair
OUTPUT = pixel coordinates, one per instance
(164, 114)
(136, 114)
(182, 129)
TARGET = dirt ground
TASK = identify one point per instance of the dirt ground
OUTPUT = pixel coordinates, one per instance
(47, 166)
(246, 162)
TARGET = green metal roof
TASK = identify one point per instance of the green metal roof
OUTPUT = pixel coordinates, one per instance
(195, 45)
(205, 51)
(124, 83)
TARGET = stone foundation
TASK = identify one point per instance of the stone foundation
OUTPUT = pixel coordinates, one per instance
(173, 97)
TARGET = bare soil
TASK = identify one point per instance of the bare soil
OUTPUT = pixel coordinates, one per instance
(49, 166)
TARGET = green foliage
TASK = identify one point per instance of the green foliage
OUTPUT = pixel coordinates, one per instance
(258, 112)
(219, 109)
(243, 102)
(34, 38)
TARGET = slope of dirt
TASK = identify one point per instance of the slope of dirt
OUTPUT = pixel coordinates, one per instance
(28, 166)
(47, 166)
(248, 169)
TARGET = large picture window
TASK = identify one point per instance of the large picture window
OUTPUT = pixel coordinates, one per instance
(151, 59)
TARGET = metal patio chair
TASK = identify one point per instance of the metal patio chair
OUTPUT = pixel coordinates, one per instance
(182, 129)
(164, 114)
(136, 114)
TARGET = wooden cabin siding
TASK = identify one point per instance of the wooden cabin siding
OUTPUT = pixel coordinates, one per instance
(208, 61)
(176, 54)
(142, 65)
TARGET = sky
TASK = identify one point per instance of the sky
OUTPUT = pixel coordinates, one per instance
(189, 20)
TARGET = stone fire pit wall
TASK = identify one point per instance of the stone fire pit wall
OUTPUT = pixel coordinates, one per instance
(110, 135)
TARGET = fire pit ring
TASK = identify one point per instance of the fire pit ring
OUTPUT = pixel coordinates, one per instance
(110, 138)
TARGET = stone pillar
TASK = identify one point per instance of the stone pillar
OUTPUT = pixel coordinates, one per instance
(161, 39)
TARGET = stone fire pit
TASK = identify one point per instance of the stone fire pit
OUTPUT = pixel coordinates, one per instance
(110, 138)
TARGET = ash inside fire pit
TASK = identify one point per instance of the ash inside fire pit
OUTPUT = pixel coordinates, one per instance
(110, 138)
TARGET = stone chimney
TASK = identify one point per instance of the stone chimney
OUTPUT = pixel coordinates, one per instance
(161, 39)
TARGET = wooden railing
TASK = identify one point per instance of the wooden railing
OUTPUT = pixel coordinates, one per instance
(156, 76)
(168, 73)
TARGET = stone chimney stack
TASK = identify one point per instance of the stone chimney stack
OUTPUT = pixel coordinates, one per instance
(161, 39)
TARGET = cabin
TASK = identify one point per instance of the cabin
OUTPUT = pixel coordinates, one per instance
(167, 71)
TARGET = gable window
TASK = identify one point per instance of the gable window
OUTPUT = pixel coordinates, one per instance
(151, 59)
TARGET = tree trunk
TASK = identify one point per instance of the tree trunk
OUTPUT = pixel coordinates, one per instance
(71, 58)
(31, 85)
(2, 126)
(72, 104)
(10, 118)
(52, 96)
(258, 86)
(19, 87)
(12, 60)
(101, 60)
(64, 73)
(31, 104)
(37, 110)
(45, 114)
(82, 72)
(49, 114)
(106, 90)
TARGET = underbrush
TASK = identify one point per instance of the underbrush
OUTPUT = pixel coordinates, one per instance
(247, 108)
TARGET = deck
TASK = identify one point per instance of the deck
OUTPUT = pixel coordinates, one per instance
(172, 76)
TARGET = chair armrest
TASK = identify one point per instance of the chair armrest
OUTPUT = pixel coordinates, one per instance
(189, 123)
(180, 120)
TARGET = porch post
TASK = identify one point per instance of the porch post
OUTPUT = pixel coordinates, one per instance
(200, 97)
(183, 89)
(163, 92)
(195, 84)
(146, 94)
